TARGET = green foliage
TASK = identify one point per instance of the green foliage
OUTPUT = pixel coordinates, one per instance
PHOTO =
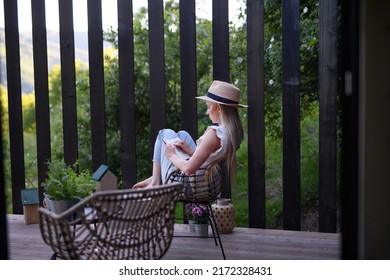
(56, 132)
(26, 55)
(238, 74)
(309, 158)
(204, 68)
(142, 98)
(240, 192)
(83, 118)
(29, 123)
(273, 62)
(273, 181)
(64, 183)
(142, 79)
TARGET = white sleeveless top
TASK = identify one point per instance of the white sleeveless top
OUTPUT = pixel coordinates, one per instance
(218, 154)
(197, 187)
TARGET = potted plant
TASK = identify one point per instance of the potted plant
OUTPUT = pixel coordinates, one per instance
(201, 217)
(64, 186)
(189, 216)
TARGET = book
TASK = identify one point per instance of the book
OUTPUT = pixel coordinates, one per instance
(179, 151)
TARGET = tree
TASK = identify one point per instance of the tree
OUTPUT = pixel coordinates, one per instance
(142, 78)
(272, 61)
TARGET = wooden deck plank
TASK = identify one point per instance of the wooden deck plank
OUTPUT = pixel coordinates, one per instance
(25, 243)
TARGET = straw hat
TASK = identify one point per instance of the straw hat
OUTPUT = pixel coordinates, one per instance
(223, 93)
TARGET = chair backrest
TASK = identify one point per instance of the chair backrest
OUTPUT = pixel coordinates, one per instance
(120, 224)
(198, 187)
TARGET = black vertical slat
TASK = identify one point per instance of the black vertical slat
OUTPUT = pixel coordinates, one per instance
(188, 67)
(68, 82)
(3, 204)
(221, 40)
(14, 102)
(42, 110)
(328, 115)
(350, 101)
(350, 130)
(126, 93)
(157, 66)
(221, 61)
(256, 137)
(96, 83)
(291, 115)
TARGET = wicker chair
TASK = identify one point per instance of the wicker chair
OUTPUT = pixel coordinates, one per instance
(120, 224)
(199, 191)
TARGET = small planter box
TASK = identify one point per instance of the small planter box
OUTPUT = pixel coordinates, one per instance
(30, 202)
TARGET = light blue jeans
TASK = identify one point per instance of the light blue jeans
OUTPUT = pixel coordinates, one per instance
(158, 155)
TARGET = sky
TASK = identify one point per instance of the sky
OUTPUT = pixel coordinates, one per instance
(109, 10)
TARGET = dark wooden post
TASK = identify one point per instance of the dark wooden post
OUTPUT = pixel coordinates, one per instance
(221, 61)
(14, 103)
(256, 137)
(221, 40)
(157, 67)
(96, 83)
(68, 82)
(42, 110)
(328, 115)
(291, 115)
(188, 67)
(126, 93)
(3, 204)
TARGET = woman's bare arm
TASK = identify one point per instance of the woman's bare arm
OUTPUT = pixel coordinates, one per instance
(210, 143)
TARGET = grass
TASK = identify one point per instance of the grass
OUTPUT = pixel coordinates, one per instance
(240, 192)
(274, 176)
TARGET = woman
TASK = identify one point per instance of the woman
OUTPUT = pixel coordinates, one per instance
(218, 143)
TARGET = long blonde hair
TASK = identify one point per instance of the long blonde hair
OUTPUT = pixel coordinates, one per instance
(230, 119)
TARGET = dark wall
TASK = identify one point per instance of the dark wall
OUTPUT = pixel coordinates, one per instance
(374, 152)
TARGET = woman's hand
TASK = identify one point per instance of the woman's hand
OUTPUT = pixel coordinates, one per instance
(210, 143)
(184, 146)
(169, 149)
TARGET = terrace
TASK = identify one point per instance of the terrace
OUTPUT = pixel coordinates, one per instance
(25, 243)
(364, 178)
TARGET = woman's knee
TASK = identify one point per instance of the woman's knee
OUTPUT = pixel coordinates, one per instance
(182, 134)
(166, 133)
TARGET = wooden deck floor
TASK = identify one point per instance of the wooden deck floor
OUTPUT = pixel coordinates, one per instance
(25, 243)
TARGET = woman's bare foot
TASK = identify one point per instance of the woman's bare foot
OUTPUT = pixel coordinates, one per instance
(143, 184)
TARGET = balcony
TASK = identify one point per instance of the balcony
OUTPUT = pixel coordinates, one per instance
(25, 243)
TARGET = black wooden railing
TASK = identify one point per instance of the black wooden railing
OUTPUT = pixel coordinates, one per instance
(255, 85)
